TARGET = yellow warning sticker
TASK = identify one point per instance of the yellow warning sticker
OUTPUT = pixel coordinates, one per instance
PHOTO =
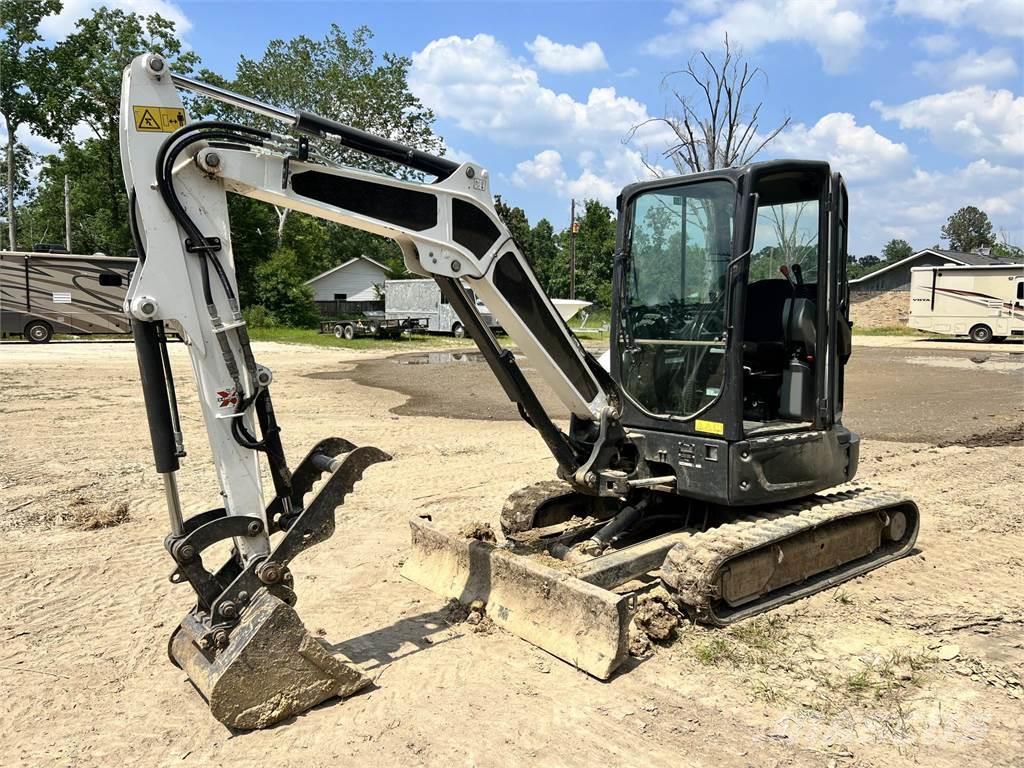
(711, 427)
(159, 119)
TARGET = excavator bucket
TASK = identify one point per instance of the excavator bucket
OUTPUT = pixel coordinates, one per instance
(578, 622)
(271, 668)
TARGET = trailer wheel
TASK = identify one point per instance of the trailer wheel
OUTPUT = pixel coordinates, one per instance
(38, 332)
(459, 331)
(348, 331)
(981, 334)
(339, 332)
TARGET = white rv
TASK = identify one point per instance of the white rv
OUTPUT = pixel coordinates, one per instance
(985, 303)
(422, 299)
(46, 293)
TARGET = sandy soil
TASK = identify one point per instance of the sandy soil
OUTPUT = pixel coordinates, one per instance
(919, 663)
(874, 309)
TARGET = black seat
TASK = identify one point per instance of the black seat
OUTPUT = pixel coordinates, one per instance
(764, 347)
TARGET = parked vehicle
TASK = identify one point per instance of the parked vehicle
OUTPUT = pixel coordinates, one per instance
(984, 303)
(414, 299)
(46, 293)
(372, 324)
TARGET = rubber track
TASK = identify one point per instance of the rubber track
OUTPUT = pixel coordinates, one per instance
(521, 505)
(691, 569)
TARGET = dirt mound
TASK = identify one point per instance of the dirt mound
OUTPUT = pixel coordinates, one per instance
(92, 517)
(1002, 436)
(478, 531)
(657, 620)
(879, 309)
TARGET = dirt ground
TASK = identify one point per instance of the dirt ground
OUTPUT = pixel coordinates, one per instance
(919, 663)
(879, 309)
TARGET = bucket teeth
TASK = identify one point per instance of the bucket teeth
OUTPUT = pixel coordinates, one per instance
(272, 668)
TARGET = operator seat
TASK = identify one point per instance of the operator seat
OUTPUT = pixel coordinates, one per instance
(764, 347)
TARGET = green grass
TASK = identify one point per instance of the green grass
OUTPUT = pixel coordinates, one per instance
(890, 330)
(283, 335)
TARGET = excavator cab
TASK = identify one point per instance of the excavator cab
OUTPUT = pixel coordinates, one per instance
(730, 330)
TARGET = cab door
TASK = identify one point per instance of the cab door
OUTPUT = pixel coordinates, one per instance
(836, 308)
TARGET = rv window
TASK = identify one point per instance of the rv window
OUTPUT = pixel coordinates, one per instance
(444, 299)
(1020, 290)
(110, 280)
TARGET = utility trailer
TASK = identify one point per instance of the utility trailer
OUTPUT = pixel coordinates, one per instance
(46, 293)
(985, 303)
(422, 299)
(372, 324)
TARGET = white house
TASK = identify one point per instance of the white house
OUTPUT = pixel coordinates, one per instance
(355, 280)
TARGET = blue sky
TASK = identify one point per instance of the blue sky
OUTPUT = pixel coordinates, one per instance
(919, 103)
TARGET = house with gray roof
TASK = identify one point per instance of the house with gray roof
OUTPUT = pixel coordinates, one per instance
(896, 276)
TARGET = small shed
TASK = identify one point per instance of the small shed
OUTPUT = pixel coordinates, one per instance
(350, 287)
(896, 276)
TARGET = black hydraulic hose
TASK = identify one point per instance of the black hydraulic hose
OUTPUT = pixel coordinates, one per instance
(133, 225)
(626, 517)
(168, 153)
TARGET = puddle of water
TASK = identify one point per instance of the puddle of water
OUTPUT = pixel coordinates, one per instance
(441, 358)
(999, 362)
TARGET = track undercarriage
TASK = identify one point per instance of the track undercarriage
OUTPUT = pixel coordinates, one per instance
(571, 566)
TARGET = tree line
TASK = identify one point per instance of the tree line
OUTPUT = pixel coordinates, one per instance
(69, 94)
(968, 230)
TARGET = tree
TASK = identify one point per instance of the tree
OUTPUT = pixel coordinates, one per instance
(896, 249)
(21, 80)
(1006, 250)
(595, 247)
(288, 301)
(967, 229)
(85, 88)
(18, 181)
(717, 128)
(548, 259)
(338, 77)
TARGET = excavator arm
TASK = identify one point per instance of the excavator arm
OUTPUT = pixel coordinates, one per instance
(177, 175)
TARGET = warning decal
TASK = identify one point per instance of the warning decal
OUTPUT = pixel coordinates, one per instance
(159, 119)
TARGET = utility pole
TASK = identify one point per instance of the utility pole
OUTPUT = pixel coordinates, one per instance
(572, 249)
(67, 214)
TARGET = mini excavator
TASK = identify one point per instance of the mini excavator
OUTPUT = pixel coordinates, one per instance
(708, 457)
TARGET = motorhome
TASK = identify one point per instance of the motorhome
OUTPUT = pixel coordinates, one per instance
(46, 293)
(415, 299)
(985, 303)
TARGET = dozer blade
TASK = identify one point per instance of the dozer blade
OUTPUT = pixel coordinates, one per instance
(578, 622)
(271, 668)
(774, 556)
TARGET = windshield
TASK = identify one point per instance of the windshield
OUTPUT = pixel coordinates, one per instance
(673, 305)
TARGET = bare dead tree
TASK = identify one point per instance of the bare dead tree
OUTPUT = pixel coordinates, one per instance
(716, 126)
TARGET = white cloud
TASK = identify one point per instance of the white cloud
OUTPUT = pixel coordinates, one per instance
(601, 176)
(858, 151)
(836, 28)
(936, 45)
(997, 17)
(59, 26)
(559, 57)
(974, 121)
(970, 68)
(914, 207)
(483, 89)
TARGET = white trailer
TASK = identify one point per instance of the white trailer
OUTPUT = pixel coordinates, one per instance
(416, 299)
(46, 293)
(985, 303)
